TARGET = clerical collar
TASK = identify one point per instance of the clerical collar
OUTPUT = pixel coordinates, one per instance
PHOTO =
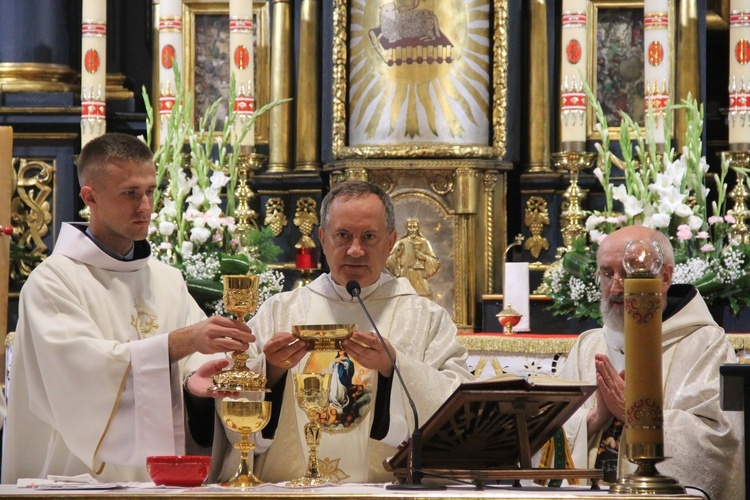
(109, 251)
(366, 290)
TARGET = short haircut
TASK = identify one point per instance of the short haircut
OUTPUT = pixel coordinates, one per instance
(100, 152)
(358, 189)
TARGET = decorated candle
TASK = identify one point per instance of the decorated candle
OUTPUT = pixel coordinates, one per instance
(739, 75)
(642, 303)
(93, 69)
(657, 60)
(241, 34)
(170, 53)
(573, 70)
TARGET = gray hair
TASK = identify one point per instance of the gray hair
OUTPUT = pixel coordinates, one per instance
(358, 189)
(98, 153)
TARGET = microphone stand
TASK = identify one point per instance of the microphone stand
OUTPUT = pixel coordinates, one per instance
(414, 469)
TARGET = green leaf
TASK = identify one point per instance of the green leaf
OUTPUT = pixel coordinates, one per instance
(580, 264)
(708, 284)
(205, 290)
(233, 264)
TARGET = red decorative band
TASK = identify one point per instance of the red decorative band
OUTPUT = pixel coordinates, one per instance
(739, 19)
(96, 110)
(738, 101)
(572, 101)
(166, 103)
(241, 25)
(574, 20)
(658, 101)
(655, 20)
(170, 24)
(94, 29)
(244, 105)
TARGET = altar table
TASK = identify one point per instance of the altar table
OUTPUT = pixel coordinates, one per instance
(338, 492)
(527, 354)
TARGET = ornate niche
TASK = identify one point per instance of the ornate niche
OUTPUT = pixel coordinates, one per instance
(459, 206)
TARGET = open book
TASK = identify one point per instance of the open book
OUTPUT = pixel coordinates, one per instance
(489, 429)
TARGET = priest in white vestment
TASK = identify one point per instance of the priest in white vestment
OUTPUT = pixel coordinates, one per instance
(104, 335)
(357, 233)
(704, 444)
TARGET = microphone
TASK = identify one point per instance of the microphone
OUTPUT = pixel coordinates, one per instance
(414, 469)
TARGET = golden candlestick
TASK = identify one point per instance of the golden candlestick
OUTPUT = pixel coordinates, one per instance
(312, 391)
(247, 165)
(571, 218)
(739, 194)
(644, 427)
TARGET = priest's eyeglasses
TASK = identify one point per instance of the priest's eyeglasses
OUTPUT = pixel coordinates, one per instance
(604, 278)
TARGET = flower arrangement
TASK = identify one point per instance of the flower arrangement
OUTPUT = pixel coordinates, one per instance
(667, 193)
(193, 228)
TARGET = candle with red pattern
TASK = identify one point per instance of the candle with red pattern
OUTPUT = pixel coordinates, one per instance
(573, 71)
(657, 57)
(93, 69)
(739, 75)
(170, 53)
(241, 34)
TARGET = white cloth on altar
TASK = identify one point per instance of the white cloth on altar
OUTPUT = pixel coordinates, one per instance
(429, 357)
(516, 293)
(703, 442)
(91, 382)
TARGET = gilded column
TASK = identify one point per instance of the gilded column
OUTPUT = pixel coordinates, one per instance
(539, 135)
(689, 64)
(282, 62)
(308, 88)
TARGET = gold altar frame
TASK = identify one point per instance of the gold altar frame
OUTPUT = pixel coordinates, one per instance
(596, 71)
(195, 13)
(417, 146)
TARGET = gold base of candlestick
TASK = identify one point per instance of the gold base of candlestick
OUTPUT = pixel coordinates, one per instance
(646, 480)
(571, 219)
(247, 164)
(305, 279)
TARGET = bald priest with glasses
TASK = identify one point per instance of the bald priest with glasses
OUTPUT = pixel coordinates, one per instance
(703, 441)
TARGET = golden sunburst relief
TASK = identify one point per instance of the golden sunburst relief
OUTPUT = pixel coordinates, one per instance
(420, 71)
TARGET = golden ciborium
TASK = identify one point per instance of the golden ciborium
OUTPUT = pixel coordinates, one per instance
(244, 411)
(311, 391)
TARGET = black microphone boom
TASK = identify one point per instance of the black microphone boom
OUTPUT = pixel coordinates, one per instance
(414, 469)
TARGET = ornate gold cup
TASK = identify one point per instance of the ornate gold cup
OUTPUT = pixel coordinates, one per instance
(311, 391)
(245, 415)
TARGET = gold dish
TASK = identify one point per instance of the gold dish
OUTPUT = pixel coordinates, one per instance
(324, 337)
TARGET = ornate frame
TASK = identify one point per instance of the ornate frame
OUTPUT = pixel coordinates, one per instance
(595, 70)
(196, 15)
(351, 99)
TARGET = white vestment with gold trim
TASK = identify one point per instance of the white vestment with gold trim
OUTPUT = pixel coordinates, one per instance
(91, 384)
(429, 357)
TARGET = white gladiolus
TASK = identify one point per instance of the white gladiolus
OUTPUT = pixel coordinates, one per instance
(200, 235)
(166, 228)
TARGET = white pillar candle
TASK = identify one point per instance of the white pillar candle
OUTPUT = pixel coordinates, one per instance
(739, 74)
(657, 61)
(93, 69)
(170, 53)
(573, 73)
(241, 34)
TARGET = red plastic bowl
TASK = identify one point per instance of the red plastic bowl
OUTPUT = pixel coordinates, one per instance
(178, 470)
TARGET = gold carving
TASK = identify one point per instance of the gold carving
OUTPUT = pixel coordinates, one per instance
(490, 181)
(305, 219)
(30, 212)
(413, 258)
(536, 217)
(275, 217)
(144, 322)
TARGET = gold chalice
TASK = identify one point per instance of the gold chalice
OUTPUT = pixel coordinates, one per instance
(245, 415)
(247, 412)
(311, 391)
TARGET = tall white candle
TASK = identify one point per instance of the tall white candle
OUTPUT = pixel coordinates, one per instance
(573, 71)
(170, 54)
(739, 75)
(657, 61)
(241, 34)
(93, 69)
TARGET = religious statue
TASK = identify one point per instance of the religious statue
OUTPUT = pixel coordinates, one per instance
(412, 257)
